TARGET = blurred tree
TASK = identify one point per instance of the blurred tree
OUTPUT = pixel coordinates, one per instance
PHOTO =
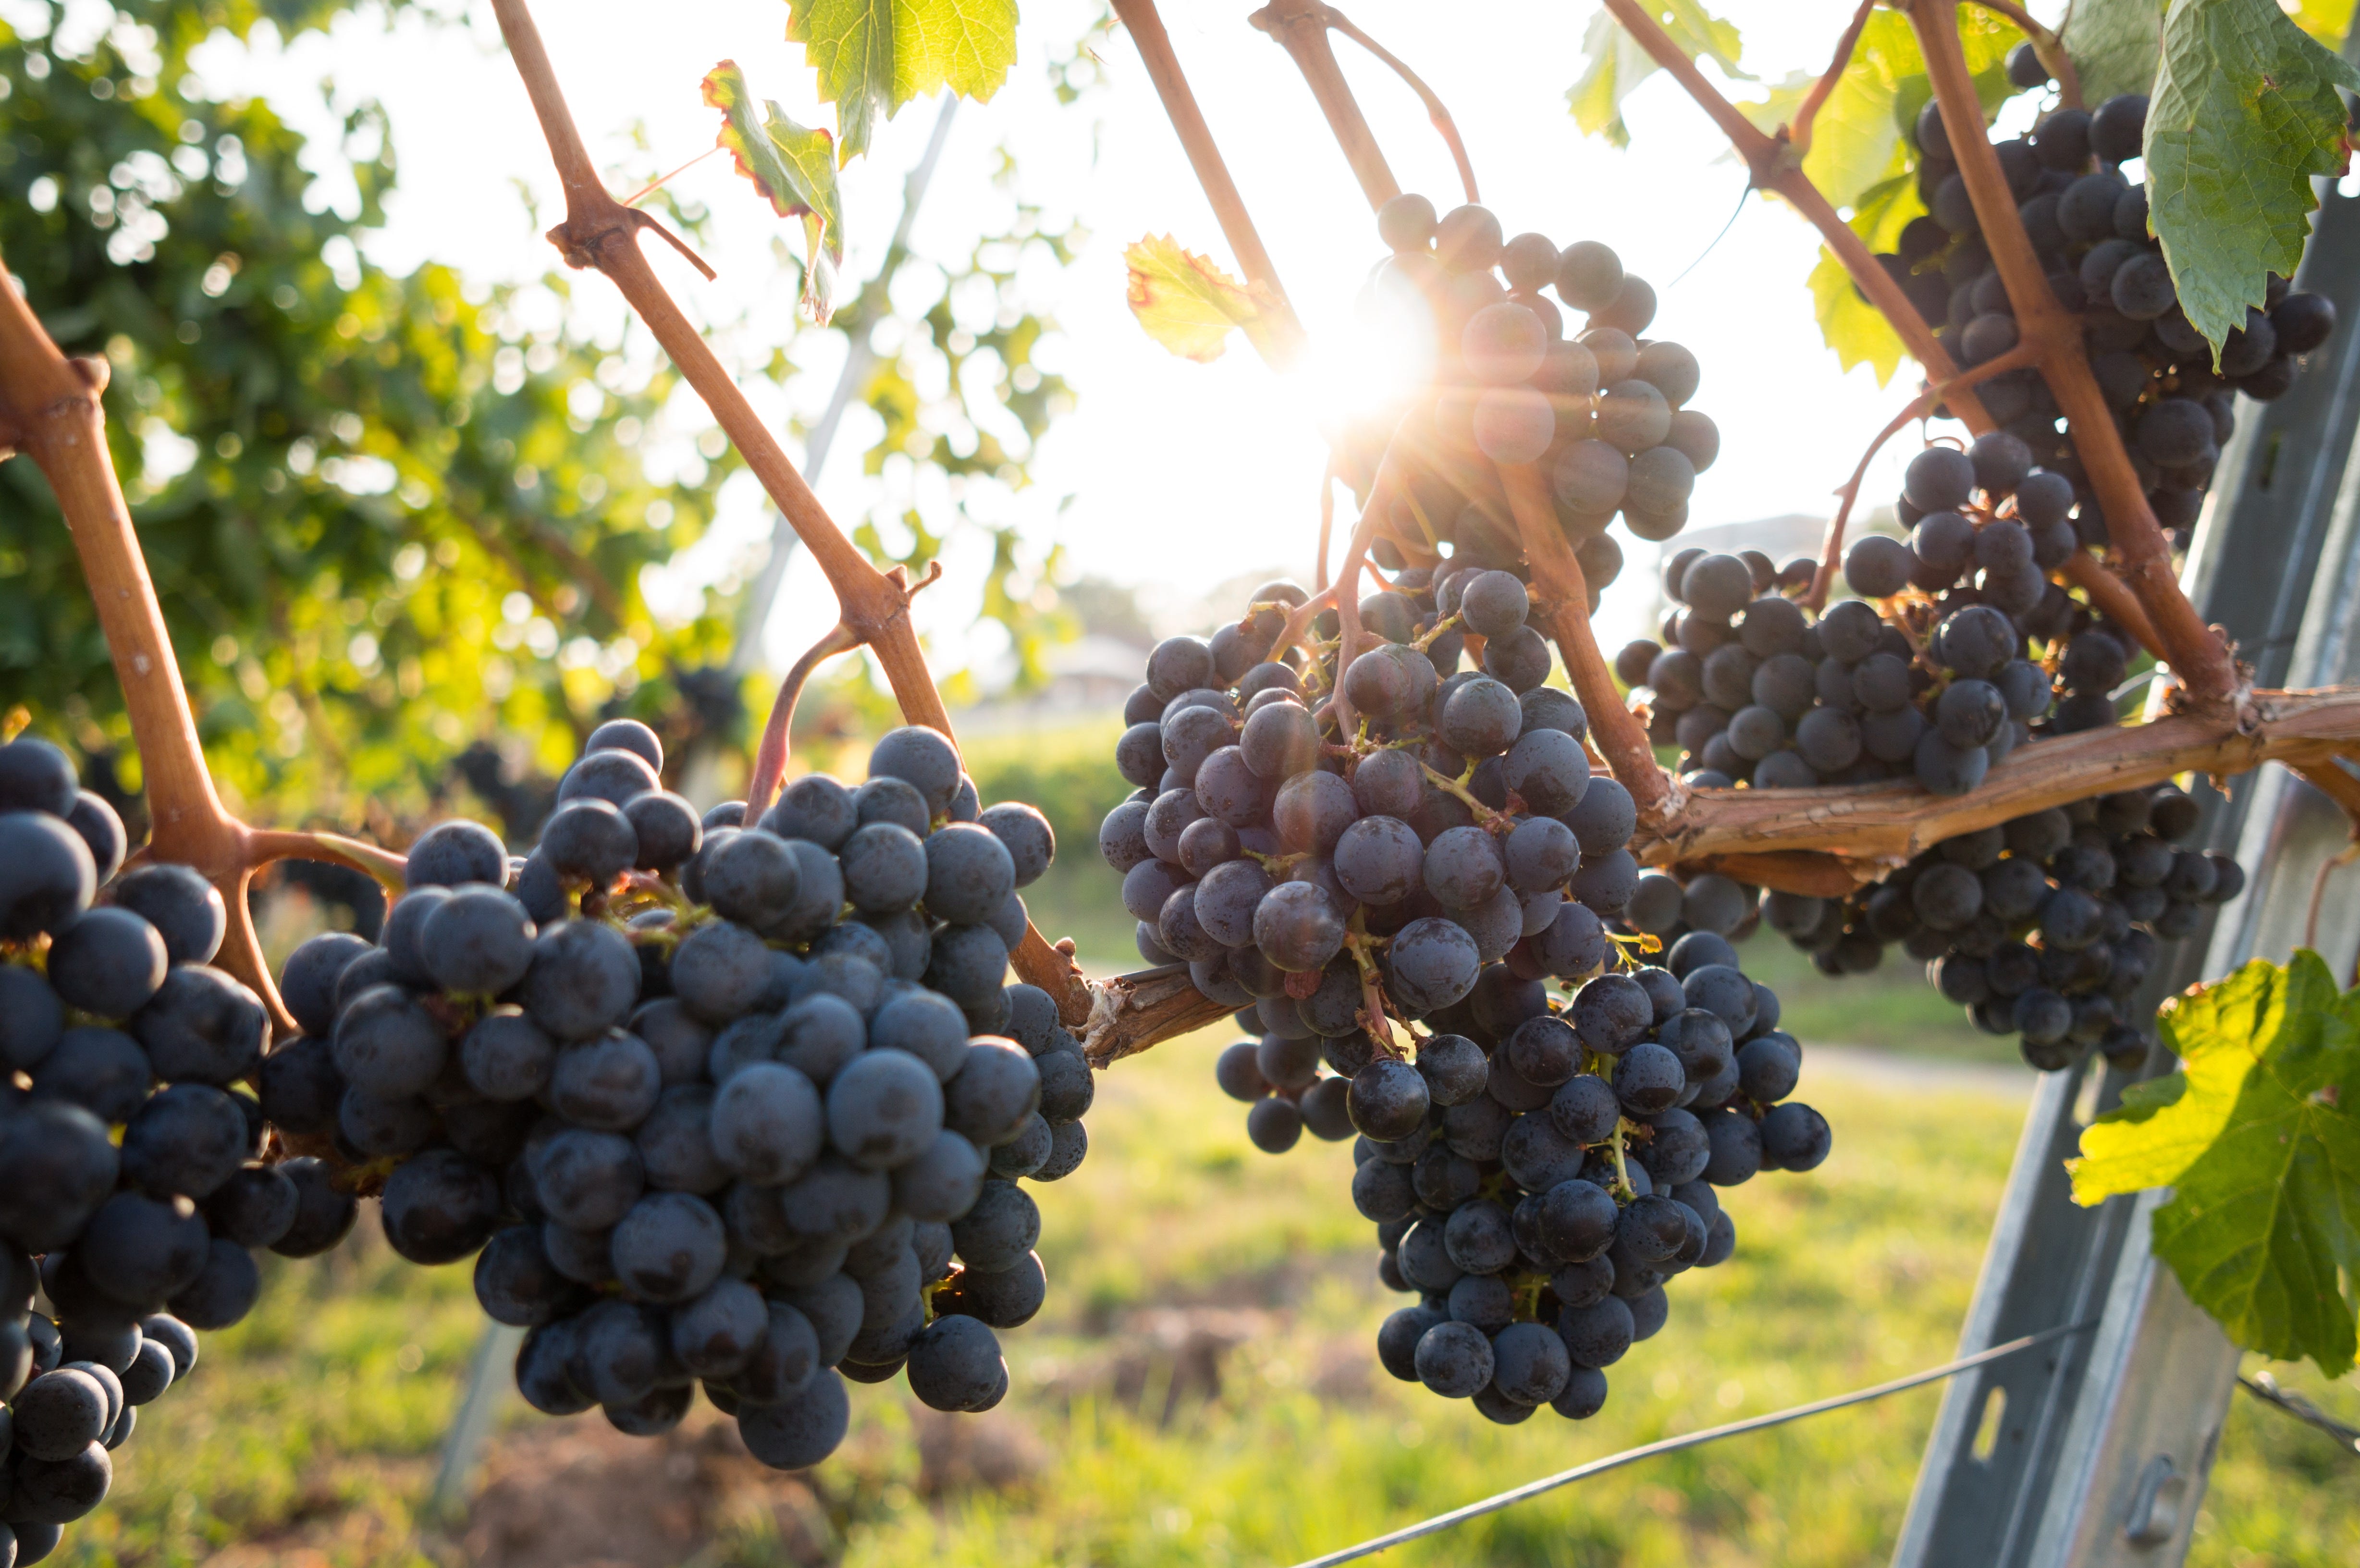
(389, 524)
(402, 532)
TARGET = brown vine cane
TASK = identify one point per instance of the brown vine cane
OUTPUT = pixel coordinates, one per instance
(2197, 654)
(600, 233)
(51, 411)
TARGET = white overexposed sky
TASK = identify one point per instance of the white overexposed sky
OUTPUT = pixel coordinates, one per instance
(1178, 475)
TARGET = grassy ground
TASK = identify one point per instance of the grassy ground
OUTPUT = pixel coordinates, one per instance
(1201, 1390)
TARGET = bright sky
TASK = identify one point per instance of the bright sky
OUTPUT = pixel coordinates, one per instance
(1180, 475)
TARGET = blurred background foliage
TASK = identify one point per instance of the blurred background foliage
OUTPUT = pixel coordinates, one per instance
(415, 536)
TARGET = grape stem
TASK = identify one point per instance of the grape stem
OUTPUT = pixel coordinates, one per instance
(1798, 131)
(1446, 127)
(1485, 817)
(1372, 1015)
(1831, 552)
(601, 232)
(1326, 524)
(1146, 28)
(1621, 739)
(1622, 1188)
(1347, 589)
(1301, 27)
(2331, 779)
(771, 759)
(2327, 868)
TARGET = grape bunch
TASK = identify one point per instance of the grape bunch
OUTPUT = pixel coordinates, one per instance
(743, 1106)
(1959, 650)
(2089, 228)
(129, 1149)
(1604, 412)
(2042, 927)
(1537, 1168)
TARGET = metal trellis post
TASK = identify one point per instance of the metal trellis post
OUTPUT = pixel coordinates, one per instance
(2097, 1452)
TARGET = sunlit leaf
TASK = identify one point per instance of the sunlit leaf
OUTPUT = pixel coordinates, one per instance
(873, 56)
(1855, 329)
(1614, 64)
(1189, 305)
(1859, 136)
(795, 169)
(2258, 1134)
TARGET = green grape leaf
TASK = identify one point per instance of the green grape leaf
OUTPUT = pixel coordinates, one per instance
(2115, 45)
(2244, 112)
(1189, 305)
(2259, 1133)
(1614, 63)
(874, 55)
(1855, 329)
(794, 168)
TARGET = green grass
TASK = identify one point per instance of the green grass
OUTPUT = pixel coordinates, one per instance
(309, 1434)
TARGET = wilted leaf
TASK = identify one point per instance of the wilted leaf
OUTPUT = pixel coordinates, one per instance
(794, 168)
(1614, 63)
(874, 55)
(2246, 113)
(1189, 305)
(2259, 1133)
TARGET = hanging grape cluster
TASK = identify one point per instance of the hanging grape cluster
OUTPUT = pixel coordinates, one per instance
(712, 1105)
(132, 1191)
(1389, 908)
(2172, 404)
(1604, 411)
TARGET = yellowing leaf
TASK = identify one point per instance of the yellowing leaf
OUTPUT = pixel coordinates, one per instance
(1189, 305)
(1613, 63)
(881, 54)
(2259, 1135)
(793, 168)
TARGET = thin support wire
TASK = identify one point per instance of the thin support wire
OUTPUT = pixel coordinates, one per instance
(1693, 1439)
(2265, 1388)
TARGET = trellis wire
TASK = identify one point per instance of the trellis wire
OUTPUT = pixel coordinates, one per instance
(1493, 1504)
(2265, 1388)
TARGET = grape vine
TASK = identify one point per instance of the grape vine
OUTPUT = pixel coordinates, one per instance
(741, 1100)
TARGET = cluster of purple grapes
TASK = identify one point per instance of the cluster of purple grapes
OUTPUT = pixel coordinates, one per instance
(2089, 229)
(1929, 674)
(1605, 412)
(712, 1103)
(1459, 826)
(1537, 1168)
(132, 1191)
(2043, 928)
